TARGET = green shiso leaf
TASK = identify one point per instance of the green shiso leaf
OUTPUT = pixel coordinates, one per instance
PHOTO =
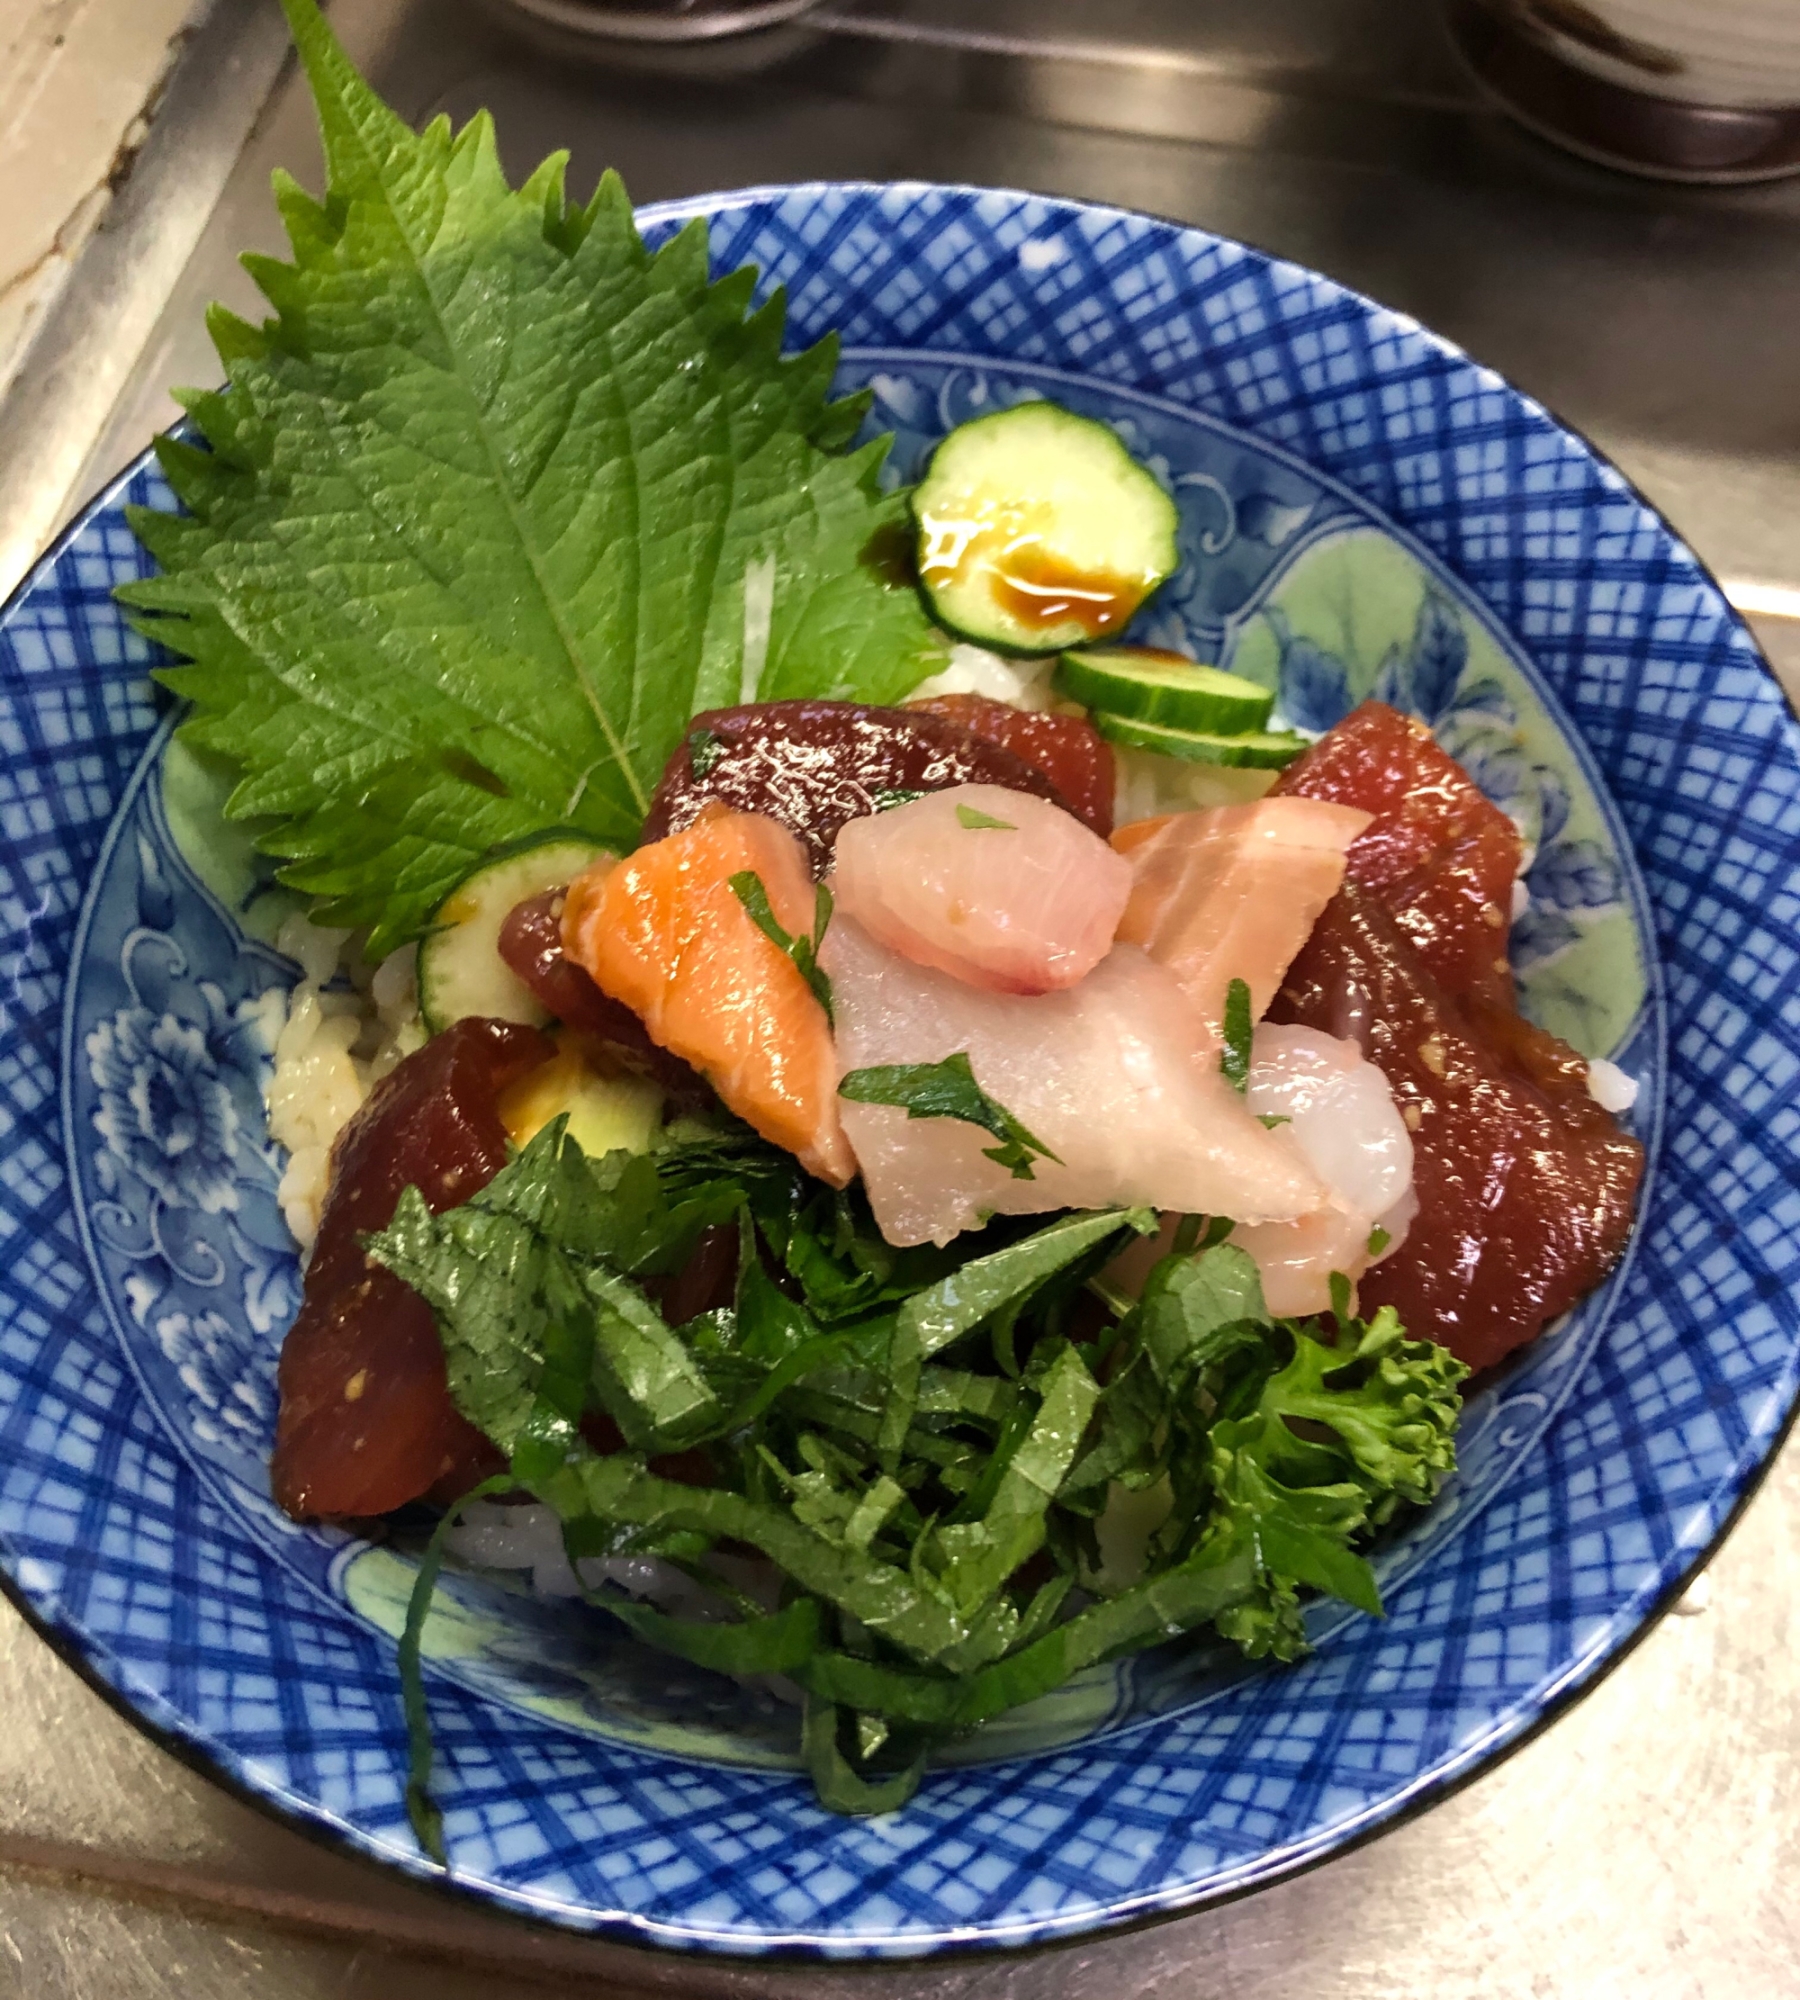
(931, 1319)
(748, 887)
(948, 1089)
(840, 1772)
(1194, 1311)
(421, 1808)
(933, 1515)
(1239, 1030)
(472, 532)
(773, 1644)
(982, 1554)
(513, 1272)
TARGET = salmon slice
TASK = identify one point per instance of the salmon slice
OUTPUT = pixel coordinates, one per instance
(664, 932)
(1005, 891)
(1233, 892)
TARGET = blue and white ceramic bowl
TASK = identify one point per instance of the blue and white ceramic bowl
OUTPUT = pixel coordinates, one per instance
(1364, 510)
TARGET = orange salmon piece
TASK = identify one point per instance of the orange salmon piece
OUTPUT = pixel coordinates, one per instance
(1233, 892)
(664, 932)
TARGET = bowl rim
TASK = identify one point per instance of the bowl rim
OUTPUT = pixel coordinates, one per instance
(651, 1942)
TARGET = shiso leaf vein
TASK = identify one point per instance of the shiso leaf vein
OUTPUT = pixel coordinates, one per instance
(466, 532)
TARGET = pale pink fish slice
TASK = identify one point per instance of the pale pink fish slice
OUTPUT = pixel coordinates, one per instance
(997, 888)
(1341, 1115)
(1233, 892)
(1106, 1074)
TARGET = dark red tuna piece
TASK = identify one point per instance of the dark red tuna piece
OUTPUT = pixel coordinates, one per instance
(366, 1422)
(1440, 855)
(1526, 1187)
(813, 765)
(531, 944)
(1068, 749)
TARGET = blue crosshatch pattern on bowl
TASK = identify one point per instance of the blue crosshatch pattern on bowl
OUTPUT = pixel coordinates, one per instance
(145, 1567)
(173, 1247)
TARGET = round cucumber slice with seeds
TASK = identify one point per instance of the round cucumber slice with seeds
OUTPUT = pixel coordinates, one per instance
(1038, 530)
(1155, 686)
(461, 971)
(1256, 749)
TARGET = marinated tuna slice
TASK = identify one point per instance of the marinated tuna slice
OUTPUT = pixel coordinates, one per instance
(1338, 1110)
(366, 1421)
(1068, 749)
(666, 933)
(813, 765)
(531, 944)
(1525, 1185)
(1438, 853)
(1231, 892)
(1106, 1075)
(999, 889)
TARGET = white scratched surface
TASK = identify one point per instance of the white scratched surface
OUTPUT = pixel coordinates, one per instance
(75, 79)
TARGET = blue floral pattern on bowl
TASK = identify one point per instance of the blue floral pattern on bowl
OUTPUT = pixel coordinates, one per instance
(167, 1062)
(1345, 533)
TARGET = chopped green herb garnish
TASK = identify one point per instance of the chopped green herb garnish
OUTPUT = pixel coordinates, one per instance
(421, 1807)
(1379, 1239)
(977, 821)
(948, 1089)
(1234, 1057)
(1270, 1119)
(1188, 1232)
(705, 748)
(917, 1441)
(747, 886)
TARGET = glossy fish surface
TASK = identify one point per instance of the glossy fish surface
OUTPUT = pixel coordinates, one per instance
(1001, 890)
(1108, 1075)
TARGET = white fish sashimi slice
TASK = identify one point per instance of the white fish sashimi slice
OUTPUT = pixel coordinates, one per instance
(1340, 1111)
(1343, 1120)
(1104, 1074)
(1003, 890)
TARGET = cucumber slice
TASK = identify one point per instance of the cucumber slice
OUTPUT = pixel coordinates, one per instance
(461, 971)
(1038, 530)
(1154, 686)
(1260, 749)
(606, 1114)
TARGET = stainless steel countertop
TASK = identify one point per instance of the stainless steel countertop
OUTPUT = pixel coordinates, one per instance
(1645, 1845)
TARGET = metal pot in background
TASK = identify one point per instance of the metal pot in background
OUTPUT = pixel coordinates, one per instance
(694, 41)
(655, 21)
(1688, 90)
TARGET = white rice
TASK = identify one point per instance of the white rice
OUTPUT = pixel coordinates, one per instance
(1610, 1087)
(974, 670)
(348, 1024)
(1147, 785)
